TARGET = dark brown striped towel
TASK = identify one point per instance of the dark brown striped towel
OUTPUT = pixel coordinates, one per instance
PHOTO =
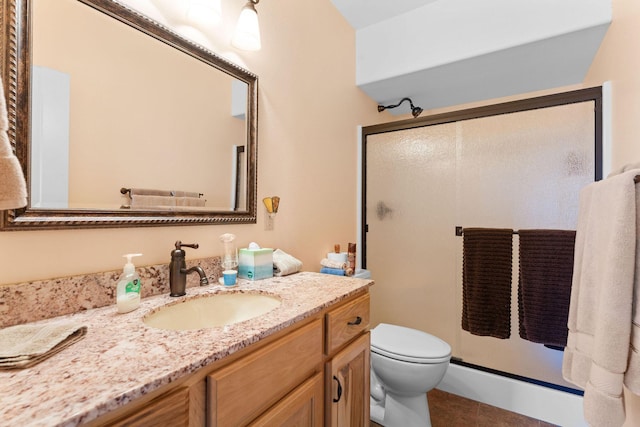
(544, 289)
(486, 281)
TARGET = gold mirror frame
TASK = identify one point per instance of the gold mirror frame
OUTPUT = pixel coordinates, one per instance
(15, 66)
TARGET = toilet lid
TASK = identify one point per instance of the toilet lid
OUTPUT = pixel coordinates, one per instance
(408, 344)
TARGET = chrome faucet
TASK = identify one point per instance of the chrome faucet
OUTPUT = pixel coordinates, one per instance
(178, 270)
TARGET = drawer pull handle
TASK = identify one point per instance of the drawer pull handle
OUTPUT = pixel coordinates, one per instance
(355, 322)
(339, 389)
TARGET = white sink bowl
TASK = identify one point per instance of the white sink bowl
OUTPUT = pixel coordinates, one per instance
(210, 311)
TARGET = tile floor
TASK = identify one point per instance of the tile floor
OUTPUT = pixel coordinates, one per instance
(450, 410)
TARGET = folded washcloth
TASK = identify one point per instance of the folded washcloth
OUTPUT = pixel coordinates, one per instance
(334, 271)
(285, 264)
(329, 263)
(23, 346)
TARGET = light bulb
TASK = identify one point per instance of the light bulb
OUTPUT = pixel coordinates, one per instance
(247, 34)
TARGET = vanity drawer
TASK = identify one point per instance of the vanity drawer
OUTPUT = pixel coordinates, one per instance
(238, 393)
(346, 322)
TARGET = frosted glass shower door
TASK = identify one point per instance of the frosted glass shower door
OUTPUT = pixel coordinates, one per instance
(522, 171)
(519, 170)
(411, 184)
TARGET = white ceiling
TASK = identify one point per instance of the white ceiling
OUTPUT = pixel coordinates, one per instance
(449, 52)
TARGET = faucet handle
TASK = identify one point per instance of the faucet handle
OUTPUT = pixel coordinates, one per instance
(179, 245)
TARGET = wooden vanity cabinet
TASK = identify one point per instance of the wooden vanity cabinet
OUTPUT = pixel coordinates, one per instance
(283, 380)
(347, 371)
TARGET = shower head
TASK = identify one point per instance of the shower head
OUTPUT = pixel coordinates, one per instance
(415, 111)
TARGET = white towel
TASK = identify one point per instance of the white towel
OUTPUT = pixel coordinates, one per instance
(13, 189)
(600, 314)
(326, 262)
(285, 264)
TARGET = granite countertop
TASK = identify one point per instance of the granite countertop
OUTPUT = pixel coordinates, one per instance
(121, 359)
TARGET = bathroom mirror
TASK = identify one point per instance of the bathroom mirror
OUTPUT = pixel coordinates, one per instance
(103, 100)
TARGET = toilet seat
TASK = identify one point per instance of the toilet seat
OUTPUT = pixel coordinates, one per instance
(408, 345)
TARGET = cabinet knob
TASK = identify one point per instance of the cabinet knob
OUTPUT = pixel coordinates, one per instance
(355, 322)
(339, 389)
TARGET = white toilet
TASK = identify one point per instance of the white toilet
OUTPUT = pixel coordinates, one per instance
(405, 364)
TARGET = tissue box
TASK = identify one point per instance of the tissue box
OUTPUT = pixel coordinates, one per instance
(255, 264)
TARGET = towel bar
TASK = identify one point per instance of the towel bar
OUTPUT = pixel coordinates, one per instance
(124, 190)
(459, 231)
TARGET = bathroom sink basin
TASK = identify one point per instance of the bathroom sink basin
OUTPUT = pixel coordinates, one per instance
(210, 311)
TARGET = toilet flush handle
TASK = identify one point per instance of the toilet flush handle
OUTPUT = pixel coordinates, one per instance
(339, 390)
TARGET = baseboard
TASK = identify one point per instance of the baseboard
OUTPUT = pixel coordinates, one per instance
(536, 401)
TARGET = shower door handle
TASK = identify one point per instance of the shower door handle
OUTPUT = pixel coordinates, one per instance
(339, 390)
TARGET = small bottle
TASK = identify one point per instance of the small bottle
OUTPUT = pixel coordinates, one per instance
(128, 290)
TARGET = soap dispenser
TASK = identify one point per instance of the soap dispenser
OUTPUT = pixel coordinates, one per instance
(128, 290)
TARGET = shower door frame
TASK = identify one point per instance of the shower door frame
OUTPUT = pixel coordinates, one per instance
(571, 97)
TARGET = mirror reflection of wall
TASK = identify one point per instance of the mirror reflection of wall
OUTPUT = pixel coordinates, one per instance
(50, 138)
(140, 113)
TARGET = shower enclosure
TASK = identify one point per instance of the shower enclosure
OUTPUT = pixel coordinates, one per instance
(517, 165)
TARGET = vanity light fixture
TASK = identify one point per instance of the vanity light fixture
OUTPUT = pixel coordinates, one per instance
(271, 203)
(205, 11)
(415, 111)
(247, 34)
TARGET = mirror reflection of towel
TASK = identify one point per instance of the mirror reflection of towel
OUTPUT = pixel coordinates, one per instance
(190, 201)
(150, 198)
(149, 192)
(13, 191)
(486, 281)
(139, 201)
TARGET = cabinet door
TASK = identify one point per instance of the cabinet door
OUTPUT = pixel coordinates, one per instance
(240, 392)
(347, 385)
(170, 410)
(301, 408)
(346, 322)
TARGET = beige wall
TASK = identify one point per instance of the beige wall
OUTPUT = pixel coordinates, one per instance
(618, 61)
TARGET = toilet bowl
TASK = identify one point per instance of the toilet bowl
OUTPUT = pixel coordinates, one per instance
(405, 364)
